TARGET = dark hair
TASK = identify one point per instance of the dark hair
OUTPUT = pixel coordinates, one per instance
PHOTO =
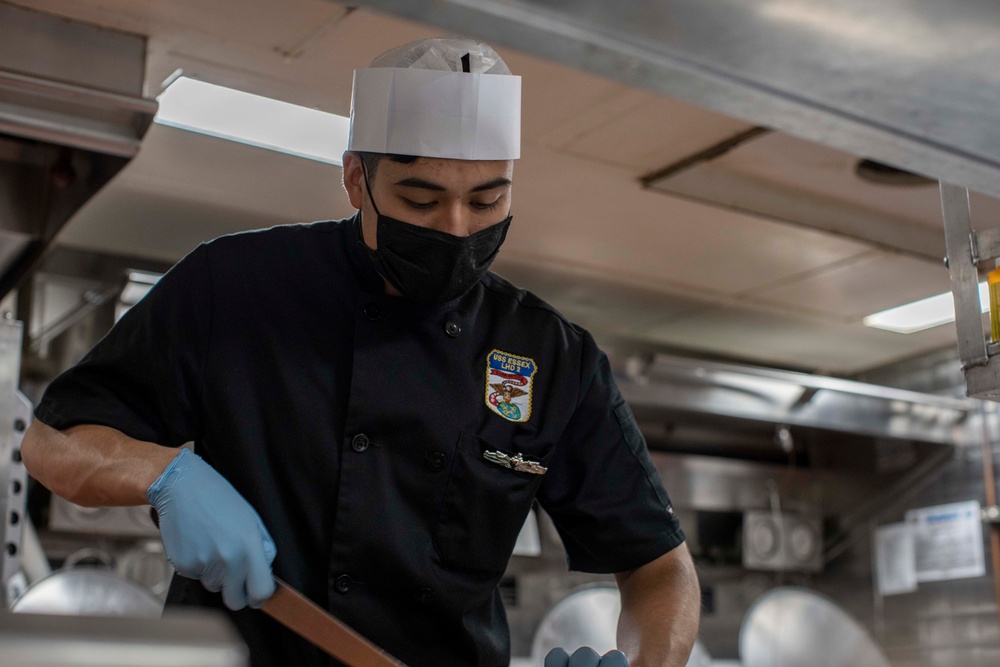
(372, 160)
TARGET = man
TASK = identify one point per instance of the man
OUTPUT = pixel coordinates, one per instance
(373, 412)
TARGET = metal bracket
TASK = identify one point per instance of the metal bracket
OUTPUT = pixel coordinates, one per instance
(15, 414)
(988, 241)
(17, 499)
(966, 248)
(962, 247)
(990, 515)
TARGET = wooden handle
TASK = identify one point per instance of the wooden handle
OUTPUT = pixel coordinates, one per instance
(314, 624)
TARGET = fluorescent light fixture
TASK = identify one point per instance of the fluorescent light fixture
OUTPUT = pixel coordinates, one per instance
(230, 114)
(924, 314)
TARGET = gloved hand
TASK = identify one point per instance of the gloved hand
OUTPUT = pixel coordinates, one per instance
(585, 657)
(211, 533)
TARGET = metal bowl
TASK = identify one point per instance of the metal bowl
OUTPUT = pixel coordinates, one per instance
(86, 591)
(795, 627)
(589, 617)
(586, 617)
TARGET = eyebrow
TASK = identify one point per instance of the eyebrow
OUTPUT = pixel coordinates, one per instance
(427, 185)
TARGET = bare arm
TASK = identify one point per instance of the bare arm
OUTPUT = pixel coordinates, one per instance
(661, 605)
(93, 465)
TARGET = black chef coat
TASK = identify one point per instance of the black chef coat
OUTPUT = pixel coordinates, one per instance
(357, 425)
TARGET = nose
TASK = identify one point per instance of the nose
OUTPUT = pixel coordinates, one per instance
(454, 218)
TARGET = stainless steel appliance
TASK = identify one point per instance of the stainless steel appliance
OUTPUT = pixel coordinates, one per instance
(116, 521)
(782, 541)
(188, 639)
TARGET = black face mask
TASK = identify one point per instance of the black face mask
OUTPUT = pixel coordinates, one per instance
(430, 266)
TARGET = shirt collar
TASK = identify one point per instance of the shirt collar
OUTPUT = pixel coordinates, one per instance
(368, 278)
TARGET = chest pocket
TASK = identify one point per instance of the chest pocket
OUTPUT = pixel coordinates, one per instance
(485, 505)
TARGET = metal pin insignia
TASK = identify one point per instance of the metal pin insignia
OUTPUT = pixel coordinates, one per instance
(515, 462)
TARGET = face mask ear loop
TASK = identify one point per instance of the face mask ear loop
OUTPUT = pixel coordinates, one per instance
(364, 170)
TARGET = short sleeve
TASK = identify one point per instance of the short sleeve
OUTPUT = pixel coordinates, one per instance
(144, 377)
(601, 489)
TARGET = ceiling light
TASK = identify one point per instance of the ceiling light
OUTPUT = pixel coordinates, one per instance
(230, 114)
(924, 314)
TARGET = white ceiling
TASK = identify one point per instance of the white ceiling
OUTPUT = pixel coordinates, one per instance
(630, 263)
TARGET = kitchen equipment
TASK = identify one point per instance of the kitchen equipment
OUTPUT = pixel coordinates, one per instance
(15, 415)
(589, 617)
(782, 541)
(146, 564)
(192, 638)
(795, 627)
(87, 591)
(132, 521)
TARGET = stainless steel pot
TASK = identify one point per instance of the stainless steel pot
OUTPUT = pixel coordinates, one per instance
(87, 591)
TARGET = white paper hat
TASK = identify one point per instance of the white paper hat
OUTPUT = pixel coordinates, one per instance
(447, 98)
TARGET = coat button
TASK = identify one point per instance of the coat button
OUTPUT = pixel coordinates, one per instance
(360, 442)
(342, 583)
(436, 460)
(452, 329)
(372, 311)
(424, 595)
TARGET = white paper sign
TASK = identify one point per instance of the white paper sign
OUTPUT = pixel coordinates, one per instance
(895, 559)
(948, 541)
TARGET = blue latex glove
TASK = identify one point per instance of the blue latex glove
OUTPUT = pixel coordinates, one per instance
(211, 533)
(585, 657)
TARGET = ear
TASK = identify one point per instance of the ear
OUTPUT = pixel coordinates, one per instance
(353, 175)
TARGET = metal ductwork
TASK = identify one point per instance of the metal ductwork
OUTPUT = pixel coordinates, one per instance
(662, 384)
(730, 439)
(71, 116)
(884, 81)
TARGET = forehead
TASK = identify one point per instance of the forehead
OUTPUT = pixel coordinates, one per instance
(448, 173)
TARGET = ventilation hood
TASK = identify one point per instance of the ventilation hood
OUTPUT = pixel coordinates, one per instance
(71, 116)
(729, 438)
(662, 385)
(883, 81)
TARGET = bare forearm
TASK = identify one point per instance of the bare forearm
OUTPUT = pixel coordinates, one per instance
(661, 604)
(93, 465)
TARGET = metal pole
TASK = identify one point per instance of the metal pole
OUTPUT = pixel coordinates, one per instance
(877, 598)
(962, 261)
(991, 502)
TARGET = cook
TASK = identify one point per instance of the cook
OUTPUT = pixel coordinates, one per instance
(373, 412)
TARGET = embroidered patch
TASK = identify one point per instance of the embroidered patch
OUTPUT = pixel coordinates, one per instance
(509, 379)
